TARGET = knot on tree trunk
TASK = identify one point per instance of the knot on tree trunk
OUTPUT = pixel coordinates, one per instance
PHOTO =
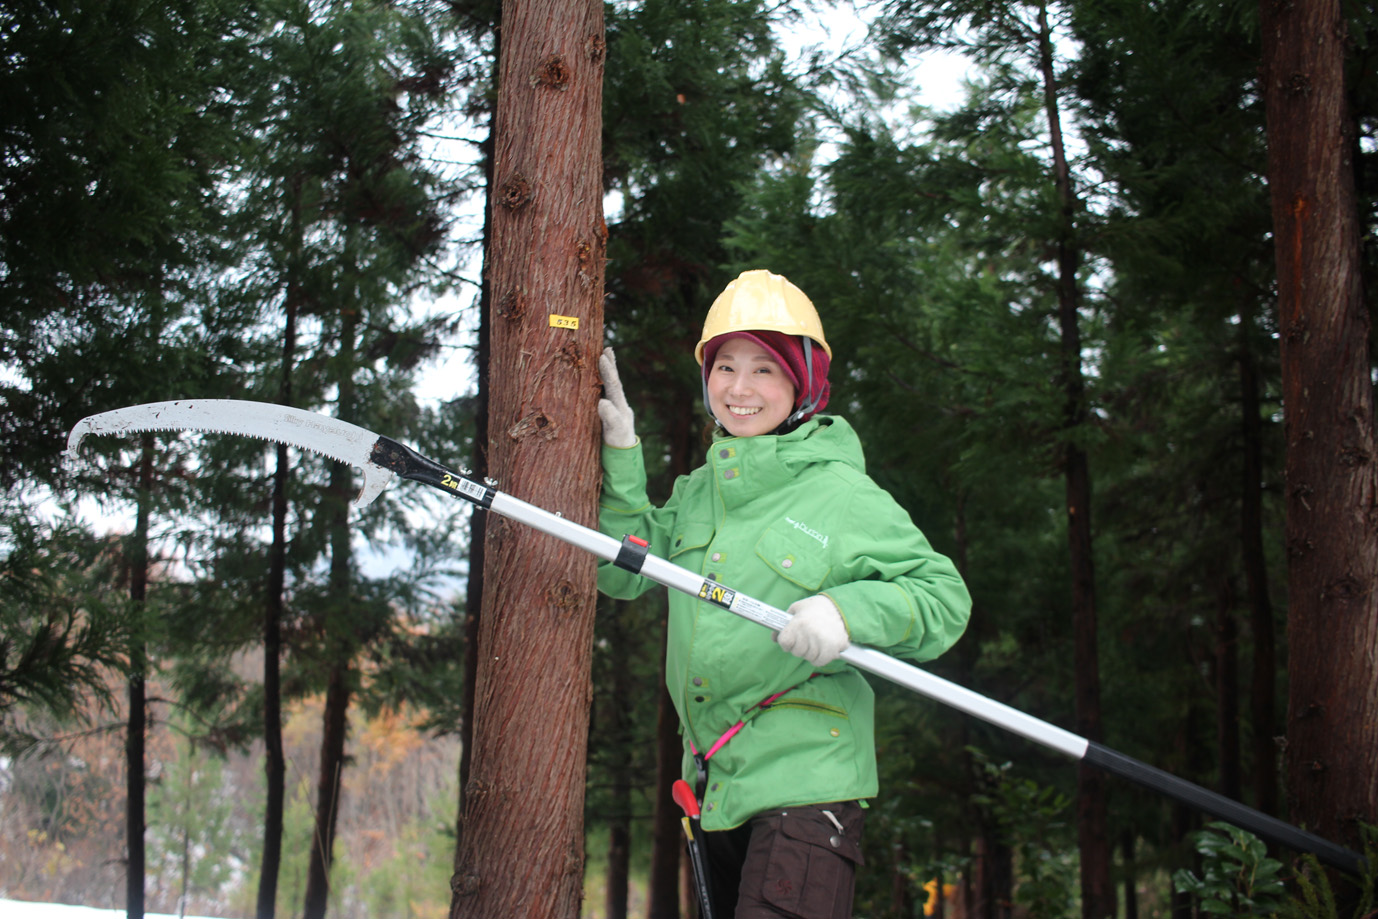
(536, 423)
(564, 597)
(552, 72)
(515, 192)
(464, 885)
(512, 305)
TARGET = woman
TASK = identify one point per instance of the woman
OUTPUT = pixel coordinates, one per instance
(778, 733)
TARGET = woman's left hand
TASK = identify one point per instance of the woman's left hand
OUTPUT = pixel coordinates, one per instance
(613, 410)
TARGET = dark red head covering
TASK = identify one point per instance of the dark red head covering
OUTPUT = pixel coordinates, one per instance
(788, 351)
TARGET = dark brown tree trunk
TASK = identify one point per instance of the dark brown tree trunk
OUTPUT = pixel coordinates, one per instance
(339, 642)
(616, 728)
(619, 855)
(1332, 541)
(1186, 819)
(521, 853)
(990, 893)
(994, 872)
(137, 729)
(667, 839)
(1131, 894)
(329, 786)
(1227, 690)
(901, 892)
(275, 761)
(473, 591)
(1097, 892)
(1263, 682)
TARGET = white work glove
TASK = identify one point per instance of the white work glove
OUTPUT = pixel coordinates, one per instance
(817, 632)
(613, 408)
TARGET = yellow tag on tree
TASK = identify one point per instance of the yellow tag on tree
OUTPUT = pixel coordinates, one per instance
(563, 322)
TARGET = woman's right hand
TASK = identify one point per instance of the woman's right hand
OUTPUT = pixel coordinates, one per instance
(613, 410)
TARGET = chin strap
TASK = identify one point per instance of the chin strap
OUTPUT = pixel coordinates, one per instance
(811, 401)
(708, 406)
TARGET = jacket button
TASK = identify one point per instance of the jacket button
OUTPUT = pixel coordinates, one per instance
(708, 806)
(730, 474)
(724, 453)
(835, 732)
(717, 556)
(715, 787)
(835, 841)
(698, 681)
(787, 563)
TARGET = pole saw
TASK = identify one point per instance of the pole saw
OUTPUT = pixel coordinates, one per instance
(380, 458)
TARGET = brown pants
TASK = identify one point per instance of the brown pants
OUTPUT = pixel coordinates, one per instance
(792, 862)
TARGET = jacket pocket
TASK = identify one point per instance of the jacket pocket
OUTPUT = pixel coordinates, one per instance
(810, 705)
(795, 556)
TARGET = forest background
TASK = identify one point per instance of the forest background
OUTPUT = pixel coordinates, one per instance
(247, 199)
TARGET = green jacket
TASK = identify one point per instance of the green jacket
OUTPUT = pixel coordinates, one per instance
(781, 518)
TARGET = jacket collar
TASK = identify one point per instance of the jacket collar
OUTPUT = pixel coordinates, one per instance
(743, 467)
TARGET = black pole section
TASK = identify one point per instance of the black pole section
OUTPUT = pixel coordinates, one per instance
(1231, 811)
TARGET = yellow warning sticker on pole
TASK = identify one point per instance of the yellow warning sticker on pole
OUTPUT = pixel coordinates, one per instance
(563, 322)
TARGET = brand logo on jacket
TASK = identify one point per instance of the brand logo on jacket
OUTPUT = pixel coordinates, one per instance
(808, 531)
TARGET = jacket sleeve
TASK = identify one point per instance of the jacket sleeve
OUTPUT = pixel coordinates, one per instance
(894, 591)
(625, 510)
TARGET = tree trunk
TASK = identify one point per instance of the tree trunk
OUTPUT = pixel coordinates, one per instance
(989, 891)
(615, 726)
(328, 789)
(521, 853)
(1263, 683)
(667, 838)
(1097, 892)
(137, 729)
(275, 761)
(1332, 542)
(1227, 689)
(1186, 819)
(473, 588)
(339, 641)
(1130, 881)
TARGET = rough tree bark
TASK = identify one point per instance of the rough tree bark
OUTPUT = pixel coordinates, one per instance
(340, 642)
(1332, 543)
(1263, 681)
(665, 893)
(521, 851)
(136, 738)
(1097, 892)
(274, 604)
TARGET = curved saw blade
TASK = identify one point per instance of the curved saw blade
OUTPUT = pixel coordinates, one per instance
(330, 437)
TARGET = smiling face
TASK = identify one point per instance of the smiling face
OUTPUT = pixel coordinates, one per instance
(748, 391)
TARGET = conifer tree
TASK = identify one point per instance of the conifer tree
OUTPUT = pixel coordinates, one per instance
(523, 800)
(1324, 327)
(1019, 38)
(342, 222)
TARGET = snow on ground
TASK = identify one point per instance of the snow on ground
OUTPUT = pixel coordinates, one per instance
(19, 909)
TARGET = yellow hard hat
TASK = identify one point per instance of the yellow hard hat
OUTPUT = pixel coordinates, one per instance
(761, 301)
